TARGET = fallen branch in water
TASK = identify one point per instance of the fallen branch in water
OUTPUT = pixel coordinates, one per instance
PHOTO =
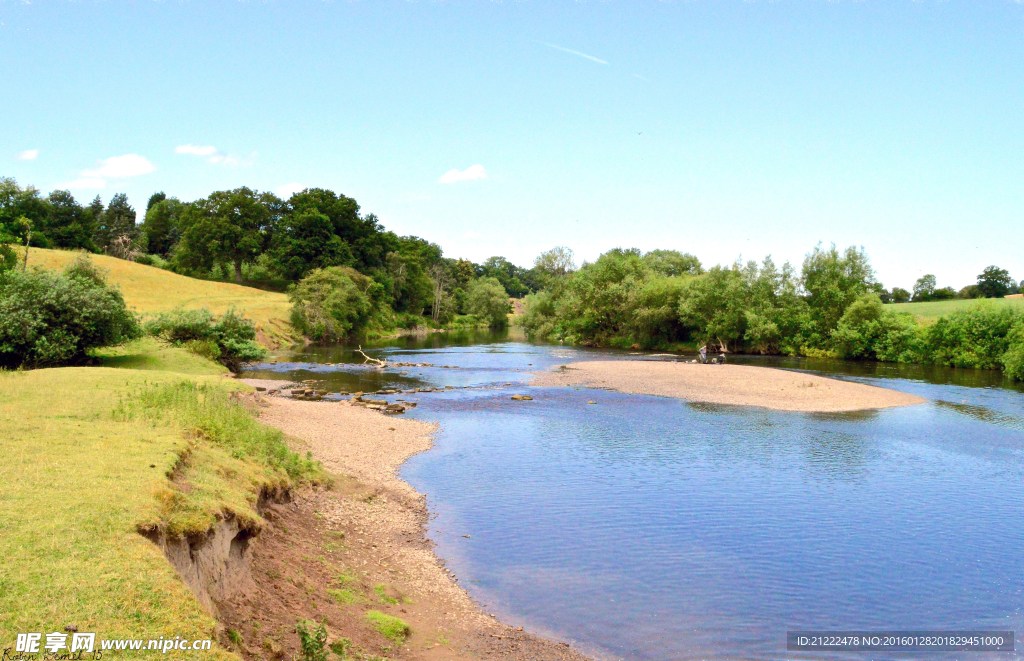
(368, 359)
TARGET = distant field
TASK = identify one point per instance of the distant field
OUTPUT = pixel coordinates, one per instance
(148, 290)
(928, 312)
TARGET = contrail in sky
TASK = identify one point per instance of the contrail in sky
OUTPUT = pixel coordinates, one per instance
(574, 52)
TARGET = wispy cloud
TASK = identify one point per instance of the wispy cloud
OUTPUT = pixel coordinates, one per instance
(574, 52)
(28, 155)
(636, 75)
(120, 167)
(470, 173)
(286, 191)
(209, 152)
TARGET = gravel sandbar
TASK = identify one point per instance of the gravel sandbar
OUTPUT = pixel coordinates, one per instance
(742, 385)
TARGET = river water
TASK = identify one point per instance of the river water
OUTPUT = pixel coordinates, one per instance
(651, 529)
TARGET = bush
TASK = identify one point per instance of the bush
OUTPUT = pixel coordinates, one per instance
(868, 331)
(976, 337)
(230, 341)
(50, 319)
(329, 304)
(1013, 359)
(312, 640)
(488, 300)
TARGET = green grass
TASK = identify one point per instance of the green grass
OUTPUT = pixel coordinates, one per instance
(382, 592)
(88, 454)
(393, 628)
(151, 354)
(150, 290)
(345, 596)
(928, 312)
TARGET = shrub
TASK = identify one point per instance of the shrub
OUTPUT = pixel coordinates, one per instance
(312, 640)
(867, 330)
(328, 305)
(976, 337)
(230, 340)
(488, 300)
(1013, 359)
(49, 319)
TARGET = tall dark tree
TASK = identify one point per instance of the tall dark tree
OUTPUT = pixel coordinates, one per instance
(994, 282)
(116, 221)
(228, 227)
(366, 239)
(306, 240)
(69, 225)
(162, 225)
(154, 199)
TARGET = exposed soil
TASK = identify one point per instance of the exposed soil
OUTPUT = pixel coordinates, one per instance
(742, 385)
(334, 554)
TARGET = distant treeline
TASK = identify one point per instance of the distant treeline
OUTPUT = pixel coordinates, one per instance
(258, 238)
(833, 306)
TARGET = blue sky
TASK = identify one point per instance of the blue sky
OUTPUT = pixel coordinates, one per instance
(724, 129)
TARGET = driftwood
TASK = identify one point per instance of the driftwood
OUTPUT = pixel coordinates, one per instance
(367, 359)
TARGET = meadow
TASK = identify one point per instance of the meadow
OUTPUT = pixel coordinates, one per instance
(150, 290)
(928, 312)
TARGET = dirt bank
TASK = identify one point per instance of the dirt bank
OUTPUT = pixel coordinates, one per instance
(336, 554)
(742, 385)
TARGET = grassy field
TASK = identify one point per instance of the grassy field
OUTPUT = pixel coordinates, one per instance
(88, 454)
(148, 290)
(929, 312)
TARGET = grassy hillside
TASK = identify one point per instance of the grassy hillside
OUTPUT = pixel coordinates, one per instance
(90, 452)
(148, 290)
(932, 310)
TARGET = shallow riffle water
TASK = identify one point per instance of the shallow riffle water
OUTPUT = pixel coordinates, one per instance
(650, 528)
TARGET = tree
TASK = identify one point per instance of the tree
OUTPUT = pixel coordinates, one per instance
(555, 263)
(488, 300)
(116, 222)
(899, 295)
(228, 227)
(162, 226)
(22, 210)
(306, 240)
(994, 282)
(154, 199)
(924, 288)
(834, 281)
(69, 224)
(330, 304)
(367, 242)
(673, 263)
(506, 273)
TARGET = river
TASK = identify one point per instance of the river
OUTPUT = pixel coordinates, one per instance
(649, 528)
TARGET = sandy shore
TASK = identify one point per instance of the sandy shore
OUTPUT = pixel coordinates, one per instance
(742, 385)
(383, 521)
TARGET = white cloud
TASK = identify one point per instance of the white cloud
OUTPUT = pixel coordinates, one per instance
(120, 167)
(28, 155)
(84, 183)
(209, 152)
(574, 52)
(288, 190)
(472, 172)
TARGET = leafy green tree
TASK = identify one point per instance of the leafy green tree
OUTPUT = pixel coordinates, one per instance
(994, 282)
(899, 295)
(869, 331)
(22, 211)
(69, 225)
(228, 227)
(833, 281)
(555, 263)
(714, 305)
(505, 272)
(330, 304)
(488, 300)
(673, 263)
(305, 240)
(1013, 357)
(368, 243)
(405, 277)
(162, 226)
(924, 288)
(155, 199)
(975, 337)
